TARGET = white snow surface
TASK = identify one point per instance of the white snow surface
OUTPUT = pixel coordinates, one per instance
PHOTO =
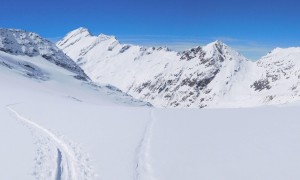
(47, 133)
(56, 127)
(214, 75)
(45, 153)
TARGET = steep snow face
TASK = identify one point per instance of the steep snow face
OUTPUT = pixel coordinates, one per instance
(19, 42)
(194, 78)
(80, 41)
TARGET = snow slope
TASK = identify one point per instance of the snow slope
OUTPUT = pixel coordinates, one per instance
(210, 76)
(43, 132)
(28, 149)
(56, 127)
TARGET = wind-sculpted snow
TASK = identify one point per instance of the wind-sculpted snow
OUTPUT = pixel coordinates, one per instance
(19, 42)
(210, 76)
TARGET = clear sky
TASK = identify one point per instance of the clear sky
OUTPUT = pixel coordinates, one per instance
(252, 27)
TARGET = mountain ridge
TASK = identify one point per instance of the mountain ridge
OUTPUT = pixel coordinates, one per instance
(214, 75)
(20, 42)
(213, 56)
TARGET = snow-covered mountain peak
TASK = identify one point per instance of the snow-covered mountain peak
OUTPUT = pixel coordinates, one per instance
(106, 37)
(81, 34)
(284, 51)
(79, 42)
(203, 76)
(23, 43)
(179, 79)
(218, 48)
(80, 31)
(74, 36)
(207, 51)
(283, 55)
(216, 43)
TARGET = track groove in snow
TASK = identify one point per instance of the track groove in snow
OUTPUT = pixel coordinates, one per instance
(67, 165)
(59, 165)
(143, 169)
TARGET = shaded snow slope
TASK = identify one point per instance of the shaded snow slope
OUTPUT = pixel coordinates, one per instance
(46, 77)
(23, 43)
(210, 76)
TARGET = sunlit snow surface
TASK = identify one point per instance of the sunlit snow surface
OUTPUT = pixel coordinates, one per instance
(60, 128)
(214, 75)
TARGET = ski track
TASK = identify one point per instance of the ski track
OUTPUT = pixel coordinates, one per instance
(59, 165)
(143, 168)
(67, 166)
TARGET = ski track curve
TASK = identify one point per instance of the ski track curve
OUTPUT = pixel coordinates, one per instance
(66, 165)
(143, 169)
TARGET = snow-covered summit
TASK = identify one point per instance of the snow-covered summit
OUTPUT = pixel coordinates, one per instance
(214, 75)
(20, 42)
(219, 48)
(164, 77)
(291, 53)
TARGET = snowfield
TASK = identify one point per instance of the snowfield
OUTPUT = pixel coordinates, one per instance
(56, 126)
(52, 131)
(117, 142)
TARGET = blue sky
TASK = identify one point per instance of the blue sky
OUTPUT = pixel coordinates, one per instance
(251, 27)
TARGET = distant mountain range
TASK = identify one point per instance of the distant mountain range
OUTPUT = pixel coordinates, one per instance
(212, 76)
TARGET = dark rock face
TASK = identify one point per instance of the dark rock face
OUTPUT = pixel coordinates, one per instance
(124, 48)
(191, 88)
(261, 84)
(19, 42)
(192, 53)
